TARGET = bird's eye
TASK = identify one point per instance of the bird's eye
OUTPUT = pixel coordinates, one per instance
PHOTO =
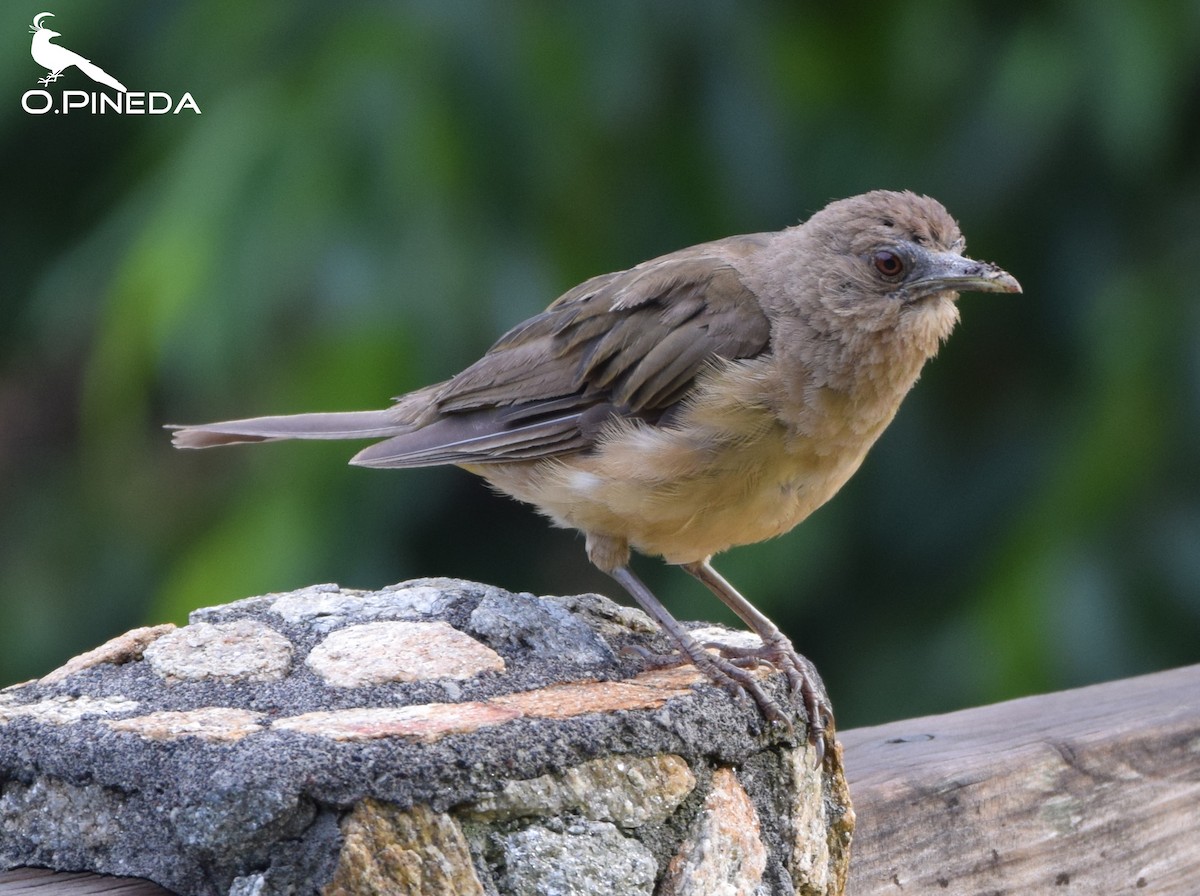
(888, 263)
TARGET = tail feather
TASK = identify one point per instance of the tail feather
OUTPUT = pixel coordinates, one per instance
(479, 437)
(96, 73)
(345, 425)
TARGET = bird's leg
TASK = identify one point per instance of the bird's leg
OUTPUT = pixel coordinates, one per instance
(721, 671)
(803, 678)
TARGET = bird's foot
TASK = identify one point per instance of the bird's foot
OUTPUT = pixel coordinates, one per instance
(730, 669)
(50, 78)
(730, 675)
(737, 679)
(804, 681)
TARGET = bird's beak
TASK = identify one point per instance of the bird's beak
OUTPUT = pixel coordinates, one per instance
(948, 271)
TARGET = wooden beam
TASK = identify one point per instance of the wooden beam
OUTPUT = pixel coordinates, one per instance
(1095, 790)
(40, 882)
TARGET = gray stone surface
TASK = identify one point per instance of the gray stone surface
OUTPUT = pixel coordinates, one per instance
(522, 621)
(326, 607)
(627, 790)
(582, 859)
(395, 650)
(213, 759)
(723, 854)
(242, 650)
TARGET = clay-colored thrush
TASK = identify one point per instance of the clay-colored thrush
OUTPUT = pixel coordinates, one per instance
(712, 397)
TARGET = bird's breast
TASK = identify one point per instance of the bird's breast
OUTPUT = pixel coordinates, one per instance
(725, 473)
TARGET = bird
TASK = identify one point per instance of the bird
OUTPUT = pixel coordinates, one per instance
(708, 398)
(56, 59)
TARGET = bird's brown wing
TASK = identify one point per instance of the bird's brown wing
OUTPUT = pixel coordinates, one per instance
(628, 344)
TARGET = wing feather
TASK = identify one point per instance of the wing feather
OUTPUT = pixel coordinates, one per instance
(630, 344)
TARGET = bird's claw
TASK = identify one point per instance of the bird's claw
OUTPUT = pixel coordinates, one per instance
(728, 674)
(741, 683)
(804, 685)
(729, 669)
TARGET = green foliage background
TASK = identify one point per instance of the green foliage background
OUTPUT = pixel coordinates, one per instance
(375, 191)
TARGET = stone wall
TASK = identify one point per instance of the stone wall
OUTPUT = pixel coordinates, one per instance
(435, 737)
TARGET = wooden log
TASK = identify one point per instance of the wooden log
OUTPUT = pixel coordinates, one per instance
(1095, 790)
(42, 882)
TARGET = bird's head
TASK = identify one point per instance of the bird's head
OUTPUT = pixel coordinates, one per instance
(38, 28)
(895, 261)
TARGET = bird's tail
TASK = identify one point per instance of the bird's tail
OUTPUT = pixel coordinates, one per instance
(96, 73)
(345, 425)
